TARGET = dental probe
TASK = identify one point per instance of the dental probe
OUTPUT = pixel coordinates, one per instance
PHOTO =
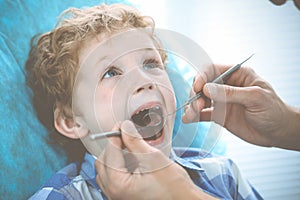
(218, 80)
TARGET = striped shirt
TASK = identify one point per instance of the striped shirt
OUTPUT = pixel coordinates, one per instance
(215, 175)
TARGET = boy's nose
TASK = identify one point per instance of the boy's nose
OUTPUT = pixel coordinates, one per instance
(147, 86)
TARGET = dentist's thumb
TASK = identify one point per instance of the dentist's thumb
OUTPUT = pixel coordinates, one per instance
(133, 140)
(226, 93)
(143, 157)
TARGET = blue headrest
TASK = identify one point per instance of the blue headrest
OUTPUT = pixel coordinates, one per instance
(27, 160)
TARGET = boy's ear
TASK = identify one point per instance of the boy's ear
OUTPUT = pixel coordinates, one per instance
(68, 126)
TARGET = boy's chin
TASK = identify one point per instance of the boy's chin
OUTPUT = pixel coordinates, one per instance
(162, 143)
(157, 140)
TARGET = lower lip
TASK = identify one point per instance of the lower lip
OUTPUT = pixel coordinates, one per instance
(158, 140)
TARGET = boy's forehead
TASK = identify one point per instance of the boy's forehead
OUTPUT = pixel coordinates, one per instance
(110, 46)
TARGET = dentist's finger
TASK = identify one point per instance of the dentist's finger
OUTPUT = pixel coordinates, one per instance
(142, 157)
(191, 111)
(208, 75)
(133, 140)
(111, 164)
(112, 156)
(229, 94)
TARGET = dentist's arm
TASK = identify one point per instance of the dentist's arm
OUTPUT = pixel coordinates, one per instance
(253, 111)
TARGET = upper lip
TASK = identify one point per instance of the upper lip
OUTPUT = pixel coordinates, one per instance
(146, 106)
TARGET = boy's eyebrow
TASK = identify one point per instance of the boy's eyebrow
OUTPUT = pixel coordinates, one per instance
(101, 59)
(106, 57)
(150, 49)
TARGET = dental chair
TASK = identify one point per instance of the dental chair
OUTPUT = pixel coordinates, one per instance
(27, 158)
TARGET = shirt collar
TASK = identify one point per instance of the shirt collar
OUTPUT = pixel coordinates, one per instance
(88, 171)
(184, 162)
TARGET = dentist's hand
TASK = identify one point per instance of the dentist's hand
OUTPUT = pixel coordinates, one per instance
(251, 108)
(143, 172)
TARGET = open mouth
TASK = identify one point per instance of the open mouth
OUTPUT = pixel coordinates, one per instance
(149, 122)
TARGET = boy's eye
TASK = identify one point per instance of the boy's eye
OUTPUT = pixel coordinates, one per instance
(111, 72)
(152, 64)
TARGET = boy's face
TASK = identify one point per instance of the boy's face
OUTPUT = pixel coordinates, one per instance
(121, 79)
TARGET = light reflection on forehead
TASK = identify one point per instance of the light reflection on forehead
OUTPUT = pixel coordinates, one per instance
(95, 53)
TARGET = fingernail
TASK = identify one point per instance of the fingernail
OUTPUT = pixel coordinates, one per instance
(212, 89)
(129, 128)
(188, 113)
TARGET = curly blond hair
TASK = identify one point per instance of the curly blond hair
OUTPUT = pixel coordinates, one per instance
(53, 61)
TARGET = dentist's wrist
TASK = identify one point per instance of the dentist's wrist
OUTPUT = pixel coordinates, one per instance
(291, 136)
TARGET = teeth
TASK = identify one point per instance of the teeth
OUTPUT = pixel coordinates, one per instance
(155, 107)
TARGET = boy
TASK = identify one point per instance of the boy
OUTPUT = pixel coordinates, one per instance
(103, 69)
